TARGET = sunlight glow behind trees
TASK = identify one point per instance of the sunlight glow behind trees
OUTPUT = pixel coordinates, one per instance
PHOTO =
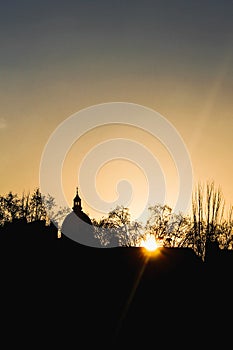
(149, 243)
(207, 222)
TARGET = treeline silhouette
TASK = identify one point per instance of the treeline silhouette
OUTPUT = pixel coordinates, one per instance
(29, 208)
(208, 223)
(58, 292)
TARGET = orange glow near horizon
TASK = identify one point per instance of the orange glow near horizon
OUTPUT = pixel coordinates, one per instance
(150, 244)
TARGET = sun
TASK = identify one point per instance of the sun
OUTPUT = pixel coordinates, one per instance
(149, 243)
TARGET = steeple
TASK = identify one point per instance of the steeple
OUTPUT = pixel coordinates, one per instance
(77, 207)
(78, 226)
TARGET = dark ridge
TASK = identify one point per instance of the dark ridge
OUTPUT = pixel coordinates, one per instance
(62, 292)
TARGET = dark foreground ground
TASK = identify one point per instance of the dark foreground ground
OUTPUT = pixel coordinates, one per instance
(55, 292)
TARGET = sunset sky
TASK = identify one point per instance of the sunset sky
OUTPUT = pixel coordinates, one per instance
(59, 57)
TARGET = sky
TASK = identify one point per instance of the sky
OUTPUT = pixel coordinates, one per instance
(59, 57)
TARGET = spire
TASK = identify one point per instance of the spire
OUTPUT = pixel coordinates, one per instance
(77, 207)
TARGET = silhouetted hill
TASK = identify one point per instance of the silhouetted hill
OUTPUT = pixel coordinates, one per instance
(62, 292)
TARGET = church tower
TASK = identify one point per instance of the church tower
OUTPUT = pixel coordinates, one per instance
(77, 206)
(77, 209)
(78, 226)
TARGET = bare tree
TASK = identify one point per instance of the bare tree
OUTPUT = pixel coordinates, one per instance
(167, 226)
(37, 208)
(11, 207)
(54, 214)
(25, 207)
(158, 221)
(117, 229)
(3, 211)
(225, 235)
(207, 216)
